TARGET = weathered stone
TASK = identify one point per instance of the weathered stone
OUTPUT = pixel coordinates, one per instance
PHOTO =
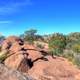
(17, 62)
(54, 69)
(8, 74)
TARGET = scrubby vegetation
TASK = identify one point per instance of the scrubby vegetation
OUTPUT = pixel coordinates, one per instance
(31, 36)
(3, 55)
(57, 44)
(67, 46)
(39, 45)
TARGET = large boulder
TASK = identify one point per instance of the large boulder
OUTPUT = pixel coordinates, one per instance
(15, 47)
(8, 74)
(34, 55)
(33, 52)
(29, 59)
(17, 62)
(29, 46)
(54, 69)
(9, 41)
(12, 39)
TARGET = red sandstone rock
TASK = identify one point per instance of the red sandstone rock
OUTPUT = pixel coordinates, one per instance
(9, 74)
(9, 41)
(34, 55)
(29, 46)
(54, 69)
(40, 67)
(15, 47)
(17, 62)
(32, 52)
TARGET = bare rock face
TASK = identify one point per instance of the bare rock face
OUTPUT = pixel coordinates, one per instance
(15, 47)
(17, 62)
(54, 69)
(29, 47)
(28, 59)
(33, 52)
(21, 56)
(8, 74)
(34, 55)
(9, 42)
(17, 58)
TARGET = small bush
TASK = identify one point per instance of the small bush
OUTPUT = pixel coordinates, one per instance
(77, 60)
(57, 44)
(3, 55)
(69, 55)
(56, 52)
(76, 47)
(40, 45)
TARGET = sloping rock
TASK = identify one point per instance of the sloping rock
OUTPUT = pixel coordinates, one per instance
(33, 52)
(29, 46)
(17, 62)
(15, 47)
(8, 74)
(29, 59)
(54, 69)
(9, 41)
(34, 55)
(12, 39)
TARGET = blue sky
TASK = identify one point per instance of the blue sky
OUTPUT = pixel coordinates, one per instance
(47, 16)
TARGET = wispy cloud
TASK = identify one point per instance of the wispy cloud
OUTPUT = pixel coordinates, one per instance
(13, 6)
(5, 22)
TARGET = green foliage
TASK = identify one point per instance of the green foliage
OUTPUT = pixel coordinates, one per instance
(30, 35)
(77, 60)
(76, 47)
(57, 43)
(2, 37)
(56, 51)
(3, 55)
(31, 32)
(40, 45)
(47, 38)
(69, 54)
(73, 57)
(74, 36)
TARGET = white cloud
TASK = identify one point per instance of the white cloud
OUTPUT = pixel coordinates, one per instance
(5, 22)
(13, 6)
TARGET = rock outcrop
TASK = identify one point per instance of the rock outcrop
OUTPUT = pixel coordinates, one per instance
(8, 74)
(54, 69)
(9, 42)
(29, 59)
(17, 62)
(21, 55)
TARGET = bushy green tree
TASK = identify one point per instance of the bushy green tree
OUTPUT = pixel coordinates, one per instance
(30, 35)
(76, 47)
(2, 37)
(74, 36)
(57, 43)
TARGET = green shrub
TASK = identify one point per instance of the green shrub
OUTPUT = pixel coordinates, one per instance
(73, 57)
(30, 35)
(3, 55)
(57, 44)
(69, 55)
(40, 45)
(57, 52)
(77, 60)
(76, 47)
